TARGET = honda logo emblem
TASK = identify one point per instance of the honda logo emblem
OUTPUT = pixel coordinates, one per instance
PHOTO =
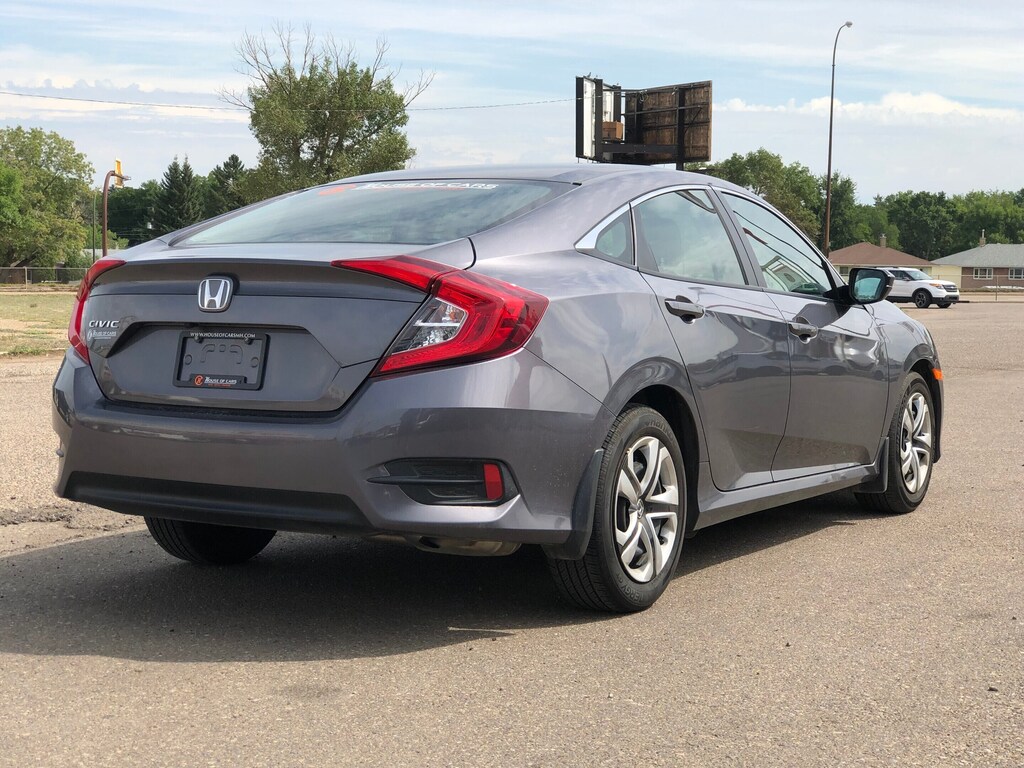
(215, 294)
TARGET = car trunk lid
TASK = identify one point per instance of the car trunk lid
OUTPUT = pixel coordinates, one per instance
(294, 333)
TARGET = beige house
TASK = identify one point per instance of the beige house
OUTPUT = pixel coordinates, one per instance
(871, 255)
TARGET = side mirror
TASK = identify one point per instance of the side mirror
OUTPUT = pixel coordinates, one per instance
(868, 286)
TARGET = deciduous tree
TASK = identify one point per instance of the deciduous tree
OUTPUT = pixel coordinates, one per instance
(317, 114)
(51, 175)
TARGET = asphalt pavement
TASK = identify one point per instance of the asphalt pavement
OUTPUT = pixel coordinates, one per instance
(814, 634)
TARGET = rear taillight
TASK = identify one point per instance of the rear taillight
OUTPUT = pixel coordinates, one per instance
(75, 335)
(467, 316)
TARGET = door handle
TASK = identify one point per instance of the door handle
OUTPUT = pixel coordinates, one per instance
(687, 310)
(804, 331)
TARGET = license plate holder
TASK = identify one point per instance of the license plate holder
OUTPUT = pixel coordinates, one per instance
(221, 359)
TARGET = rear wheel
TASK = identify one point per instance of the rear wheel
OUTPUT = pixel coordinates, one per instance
(911, 447)
(639, 519)
(922, 298)
(208, 544)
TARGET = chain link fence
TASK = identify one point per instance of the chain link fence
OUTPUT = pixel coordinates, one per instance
(56, 275)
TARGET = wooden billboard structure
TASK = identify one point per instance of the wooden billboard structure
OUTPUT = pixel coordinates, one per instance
(647, 126)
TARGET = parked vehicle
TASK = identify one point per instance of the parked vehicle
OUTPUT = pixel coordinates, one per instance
(922, 289)
(596, 359)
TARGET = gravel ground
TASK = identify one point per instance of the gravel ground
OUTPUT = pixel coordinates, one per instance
(813, 634)
(28, 465)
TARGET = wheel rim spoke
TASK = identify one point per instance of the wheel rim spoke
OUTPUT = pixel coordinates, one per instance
(629, 486)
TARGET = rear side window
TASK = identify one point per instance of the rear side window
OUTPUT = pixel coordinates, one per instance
(420, 212)
(679, 234)
(787, 261)
(612, 239)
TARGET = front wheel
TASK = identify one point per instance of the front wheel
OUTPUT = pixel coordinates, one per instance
(639, 519)
(208, 544)
(922, 298)
(911, 448)
(945, 304)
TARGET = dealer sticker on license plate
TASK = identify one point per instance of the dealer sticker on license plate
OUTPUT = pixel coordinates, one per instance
(221, 359)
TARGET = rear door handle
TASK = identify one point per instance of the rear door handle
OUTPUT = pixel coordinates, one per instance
(687, 310)
(805, 331)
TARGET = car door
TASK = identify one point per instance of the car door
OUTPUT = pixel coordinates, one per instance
(900, 284)
(730, 335)
(839, 390)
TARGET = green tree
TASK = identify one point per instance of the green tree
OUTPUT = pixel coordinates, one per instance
(52, 176)
(130, 211)
(871, 222)
(179, 202)
(790, 188)
(223, 187)
(925, 220)
(843, 217)
(317, 114)
(11, 201)
(997, 214)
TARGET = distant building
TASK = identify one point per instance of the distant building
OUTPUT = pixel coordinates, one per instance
(991, 265)
(871, 255)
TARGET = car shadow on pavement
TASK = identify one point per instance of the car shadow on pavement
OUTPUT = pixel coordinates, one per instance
(313, 597)
(752, 533)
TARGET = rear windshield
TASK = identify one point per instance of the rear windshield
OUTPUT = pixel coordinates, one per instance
(420, 212)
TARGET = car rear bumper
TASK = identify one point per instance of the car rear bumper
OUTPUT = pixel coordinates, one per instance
(302, 473)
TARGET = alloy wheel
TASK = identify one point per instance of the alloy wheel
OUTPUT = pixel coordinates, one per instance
(646, 510)
(915, 443)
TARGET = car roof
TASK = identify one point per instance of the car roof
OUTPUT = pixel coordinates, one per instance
(570, 173)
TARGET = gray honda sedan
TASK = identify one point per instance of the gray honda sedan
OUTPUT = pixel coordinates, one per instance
(599, 360)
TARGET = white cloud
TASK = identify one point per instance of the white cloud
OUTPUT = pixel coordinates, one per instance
(892, 107)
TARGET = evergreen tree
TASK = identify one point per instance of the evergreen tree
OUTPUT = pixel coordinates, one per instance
(223, 190)
(180, 199)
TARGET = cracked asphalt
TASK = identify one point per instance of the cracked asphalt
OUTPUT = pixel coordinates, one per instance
(813, 634)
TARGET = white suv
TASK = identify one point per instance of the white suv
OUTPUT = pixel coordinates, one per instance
(910, 284)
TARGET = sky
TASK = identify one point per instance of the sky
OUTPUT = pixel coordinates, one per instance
(929, 93)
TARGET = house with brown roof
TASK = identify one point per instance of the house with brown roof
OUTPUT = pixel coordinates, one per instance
(871, 255)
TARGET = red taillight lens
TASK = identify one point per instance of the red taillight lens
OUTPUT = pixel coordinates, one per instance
(494, 486)
(468, 317)
(78, 308)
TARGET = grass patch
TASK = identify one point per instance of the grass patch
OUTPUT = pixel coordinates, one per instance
(34, 323)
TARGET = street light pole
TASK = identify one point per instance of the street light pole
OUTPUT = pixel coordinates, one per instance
(121, 179)
(828, 180)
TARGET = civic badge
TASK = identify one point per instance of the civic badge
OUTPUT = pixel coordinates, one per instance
(215, 294)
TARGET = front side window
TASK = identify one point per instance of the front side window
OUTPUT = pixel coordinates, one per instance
(916, 274)
(787, 261)
(679, 234)
(983, 273)
(420, 212)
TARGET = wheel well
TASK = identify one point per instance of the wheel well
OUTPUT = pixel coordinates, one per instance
(671, 405)
(925, 369)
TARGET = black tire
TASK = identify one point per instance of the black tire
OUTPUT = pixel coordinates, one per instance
(600, 580)
(208, 544)
(944, 304)
(922, 298)
(899, 498)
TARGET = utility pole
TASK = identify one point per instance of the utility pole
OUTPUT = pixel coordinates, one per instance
(121, 179)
